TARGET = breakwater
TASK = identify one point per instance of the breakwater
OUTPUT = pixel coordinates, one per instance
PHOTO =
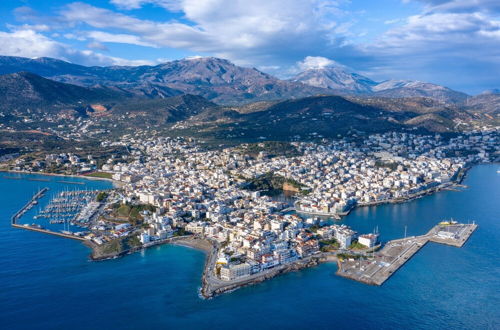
(28, 205)
(47, 231)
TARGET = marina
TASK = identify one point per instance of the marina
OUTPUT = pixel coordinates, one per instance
(67, 208)
(375, 268)
(70, 207)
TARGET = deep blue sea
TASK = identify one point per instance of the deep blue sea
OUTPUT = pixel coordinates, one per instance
(48, 282)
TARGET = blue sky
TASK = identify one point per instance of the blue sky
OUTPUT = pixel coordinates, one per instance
(455, 43)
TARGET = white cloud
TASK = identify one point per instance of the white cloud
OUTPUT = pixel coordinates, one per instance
(128, 4)
(317, 62)
(118, 38)
(456, 49)
(442, 31)
(135, 4)
(244, 31)
(392, 21)
(463, 6)
(97, 45)
(30, 43)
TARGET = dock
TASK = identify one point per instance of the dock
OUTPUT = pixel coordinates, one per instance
(378, 267)
(28, 205)
(47, 231)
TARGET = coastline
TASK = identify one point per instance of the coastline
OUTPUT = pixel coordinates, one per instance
(116, 184)
(451, 184)
(212, 286)
(189, 241)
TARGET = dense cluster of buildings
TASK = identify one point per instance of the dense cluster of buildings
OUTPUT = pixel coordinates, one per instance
(202, 191)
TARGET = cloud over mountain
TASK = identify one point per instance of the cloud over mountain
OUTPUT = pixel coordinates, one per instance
(430, 40)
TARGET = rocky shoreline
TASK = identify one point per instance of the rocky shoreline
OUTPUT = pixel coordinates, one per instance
(211, 286)
(207, 293)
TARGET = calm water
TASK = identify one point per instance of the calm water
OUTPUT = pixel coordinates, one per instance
(48, 283)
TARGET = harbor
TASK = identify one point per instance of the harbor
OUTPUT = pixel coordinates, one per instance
(377, 267)
(74, 207)
(67, 208)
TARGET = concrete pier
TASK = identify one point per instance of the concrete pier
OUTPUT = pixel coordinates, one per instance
(28, 205)
(50, 232)
(376, 268)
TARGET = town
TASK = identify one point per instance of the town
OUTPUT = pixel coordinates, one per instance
(173, 187)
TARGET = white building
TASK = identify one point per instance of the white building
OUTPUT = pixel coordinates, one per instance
(368, 240)
(231, 272)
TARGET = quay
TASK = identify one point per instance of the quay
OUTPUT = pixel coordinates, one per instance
(28, 205)
(376, 268)
(47, 231)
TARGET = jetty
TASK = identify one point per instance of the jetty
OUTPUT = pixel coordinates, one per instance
(33, 201)
(71, 182)
(378, 267)
(47, 231)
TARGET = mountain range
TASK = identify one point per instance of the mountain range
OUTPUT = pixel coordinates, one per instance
(215, 79)
(225, 83)
(213, 98)
(344, 81)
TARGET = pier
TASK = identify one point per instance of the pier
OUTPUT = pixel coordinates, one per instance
(47, 231)
(376, 268)
(29, 205)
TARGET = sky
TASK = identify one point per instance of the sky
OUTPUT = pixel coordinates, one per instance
(455, 43)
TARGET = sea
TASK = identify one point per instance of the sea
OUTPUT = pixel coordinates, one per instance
(48, 282)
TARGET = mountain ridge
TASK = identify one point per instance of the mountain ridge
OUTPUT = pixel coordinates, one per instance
(215, 79)
(223, 82)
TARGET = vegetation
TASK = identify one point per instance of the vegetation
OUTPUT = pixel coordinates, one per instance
(101, 196)
(133, 241)
(271, 181)
(329, 245)
(132, 212)
(357, 246)
(100, 175)
(180, 232)
(272, 148)
(390, 165)
(343, 256)
(313, 228)
(117, 246)
(112, 247)
(6, 151)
